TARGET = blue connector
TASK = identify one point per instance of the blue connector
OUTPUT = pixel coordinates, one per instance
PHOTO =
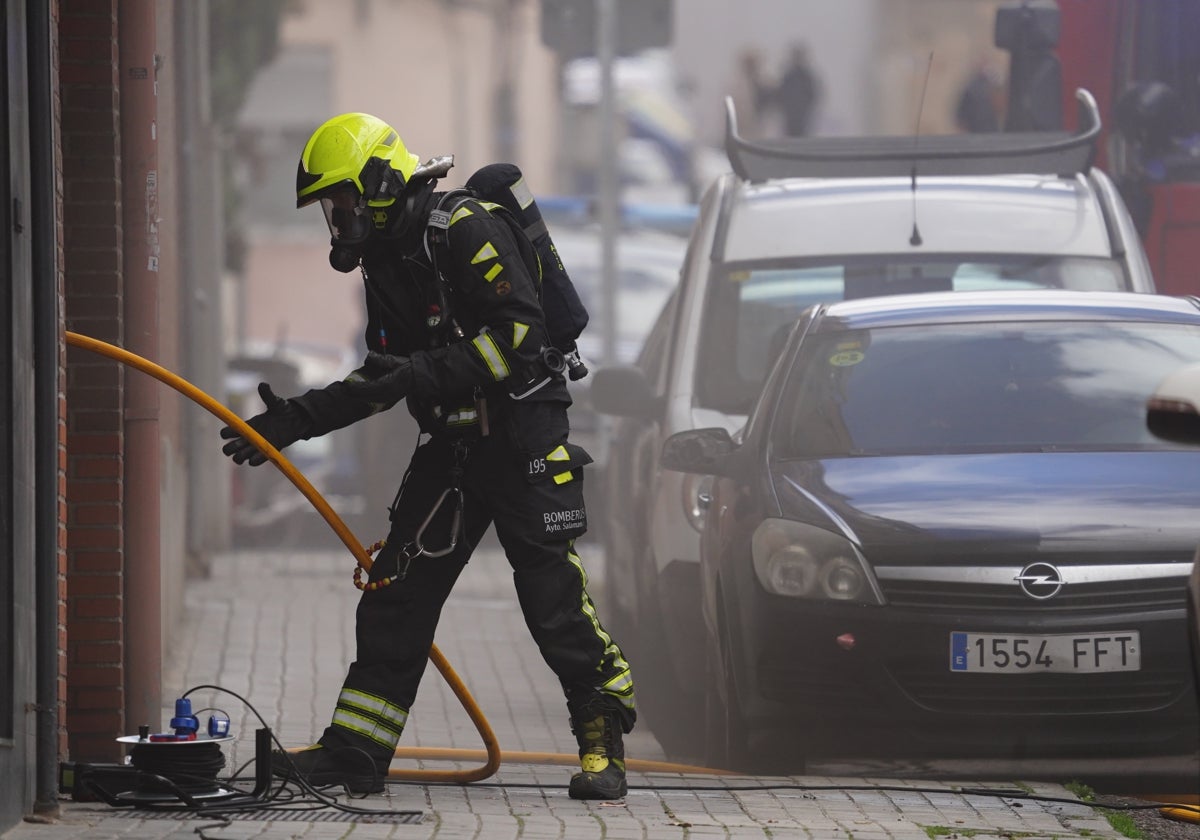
(184, 722)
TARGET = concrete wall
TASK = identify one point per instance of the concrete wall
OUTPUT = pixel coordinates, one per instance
(17, 586)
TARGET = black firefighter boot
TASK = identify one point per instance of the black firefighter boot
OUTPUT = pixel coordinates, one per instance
(320, 765)
(601, 755)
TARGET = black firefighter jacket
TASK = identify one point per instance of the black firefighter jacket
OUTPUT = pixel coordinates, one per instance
(461, 384)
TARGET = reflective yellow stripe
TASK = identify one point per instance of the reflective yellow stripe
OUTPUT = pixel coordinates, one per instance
(489, 206)
(487, 252)
(519, 333)
(463, 417)
(622, 683)
(491, 355)
(370, 716)
(493, 272)
(559, 454)
(521, 193)
(563, 477)
(460, 213)
(366, 727)
(373, 704)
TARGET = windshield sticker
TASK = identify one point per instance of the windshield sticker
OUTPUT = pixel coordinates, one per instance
(847, 353)
(739, 276)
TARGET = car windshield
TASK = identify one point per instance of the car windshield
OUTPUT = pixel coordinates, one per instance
(752, 306)
(978, 387)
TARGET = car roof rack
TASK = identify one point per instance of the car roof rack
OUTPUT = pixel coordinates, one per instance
(996, 153)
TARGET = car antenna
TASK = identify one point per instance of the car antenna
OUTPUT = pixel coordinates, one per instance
(915, 239)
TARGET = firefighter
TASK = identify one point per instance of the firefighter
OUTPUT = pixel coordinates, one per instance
(455, 329)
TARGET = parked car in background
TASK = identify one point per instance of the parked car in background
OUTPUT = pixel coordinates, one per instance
(809, 221)
(947, 530)
(647, 266)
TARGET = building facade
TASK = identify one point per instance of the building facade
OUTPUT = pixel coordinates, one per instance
(95, 469)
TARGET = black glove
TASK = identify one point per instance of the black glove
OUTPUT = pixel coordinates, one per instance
(391, 379)
(282, 424)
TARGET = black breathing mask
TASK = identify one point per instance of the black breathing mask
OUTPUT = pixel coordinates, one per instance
(353, 220)
(343, 257)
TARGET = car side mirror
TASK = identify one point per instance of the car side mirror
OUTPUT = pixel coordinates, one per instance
(625, 392)
(701, 451)
(1173, 411)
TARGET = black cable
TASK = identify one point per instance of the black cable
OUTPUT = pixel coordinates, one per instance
(193, 767)
(316, 794)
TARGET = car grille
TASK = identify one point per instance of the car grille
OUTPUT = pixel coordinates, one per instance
(1128, 595)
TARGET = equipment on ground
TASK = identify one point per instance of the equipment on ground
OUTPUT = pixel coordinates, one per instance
(169, 769)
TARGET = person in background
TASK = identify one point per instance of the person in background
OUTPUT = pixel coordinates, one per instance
(975, 111)
(798, 92)
(752, 95)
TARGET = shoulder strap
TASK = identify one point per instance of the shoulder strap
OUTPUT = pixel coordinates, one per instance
(437, 227)
(437, 230)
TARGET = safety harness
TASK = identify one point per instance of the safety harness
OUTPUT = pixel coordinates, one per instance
(416, 547)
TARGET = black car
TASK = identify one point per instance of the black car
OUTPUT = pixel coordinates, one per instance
(946, 529)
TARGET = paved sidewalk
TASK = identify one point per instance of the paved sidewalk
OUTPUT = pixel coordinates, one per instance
(277, 629)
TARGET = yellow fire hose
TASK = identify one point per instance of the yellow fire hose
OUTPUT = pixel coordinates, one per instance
(491, 754)
(1179, 807)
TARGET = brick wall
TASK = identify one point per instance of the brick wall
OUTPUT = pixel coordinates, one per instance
(95, 385)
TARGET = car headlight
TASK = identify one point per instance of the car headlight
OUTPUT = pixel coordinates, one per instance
(803, 561)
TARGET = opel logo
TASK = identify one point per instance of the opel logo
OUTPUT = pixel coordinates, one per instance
(1040, 581)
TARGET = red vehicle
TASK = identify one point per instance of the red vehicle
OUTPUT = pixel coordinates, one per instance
(1141, 60)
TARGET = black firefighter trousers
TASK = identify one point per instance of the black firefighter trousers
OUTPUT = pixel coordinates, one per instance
(535, 499)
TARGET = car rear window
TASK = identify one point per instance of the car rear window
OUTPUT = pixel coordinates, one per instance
(978, 387)
(751, 307)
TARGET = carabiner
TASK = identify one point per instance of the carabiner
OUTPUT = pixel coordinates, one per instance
(455, 524)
